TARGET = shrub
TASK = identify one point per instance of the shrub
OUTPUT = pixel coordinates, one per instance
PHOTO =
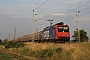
(49, 53)
(58, 50)
(25, 50)
(8, 44)
(43, 53)
(11, 44)
(39, 53)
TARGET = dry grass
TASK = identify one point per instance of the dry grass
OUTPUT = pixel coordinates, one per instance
(78, 51)
(71, 51)
(39, 46)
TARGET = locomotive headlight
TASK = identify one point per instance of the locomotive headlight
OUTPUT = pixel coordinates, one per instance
(59, 35)
(67, 35)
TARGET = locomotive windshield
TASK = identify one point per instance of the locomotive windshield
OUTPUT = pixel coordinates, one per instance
(63, 29)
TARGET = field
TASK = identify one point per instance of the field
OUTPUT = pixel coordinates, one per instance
(49, 51)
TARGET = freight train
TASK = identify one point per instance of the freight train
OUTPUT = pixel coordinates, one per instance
(58, 32)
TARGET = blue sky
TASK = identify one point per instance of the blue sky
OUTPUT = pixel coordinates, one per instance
(13, 13)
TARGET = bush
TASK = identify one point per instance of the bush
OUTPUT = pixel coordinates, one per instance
(8, 44)
(58, 50)
(46, 52)
(25, 50)
(39, 53)
(43, 53)
(49, 52)
(11, 44)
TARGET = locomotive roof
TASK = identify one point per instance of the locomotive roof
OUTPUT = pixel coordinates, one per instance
(61, 23)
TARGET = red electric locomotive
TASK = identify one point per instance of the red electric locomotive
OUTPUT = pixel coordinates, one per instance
(62, 32)
(57, 32)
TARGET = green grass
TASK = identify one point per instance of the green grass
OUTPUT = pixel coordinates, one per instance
(4, 56)
(9, 56)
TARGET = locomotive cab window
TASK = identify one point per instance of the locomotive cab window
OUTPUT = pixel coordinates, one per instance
(61, 29)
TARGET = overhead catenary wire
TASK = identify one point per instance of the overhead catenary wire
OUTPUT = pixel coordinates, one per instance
(73, 18)
(41, 5)
(70, 10)
(75, 14)
(85, 13)
(75, 9)
(31, 13)
(74, 4)
(24, 21)
(66, 15)
(49, 14)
